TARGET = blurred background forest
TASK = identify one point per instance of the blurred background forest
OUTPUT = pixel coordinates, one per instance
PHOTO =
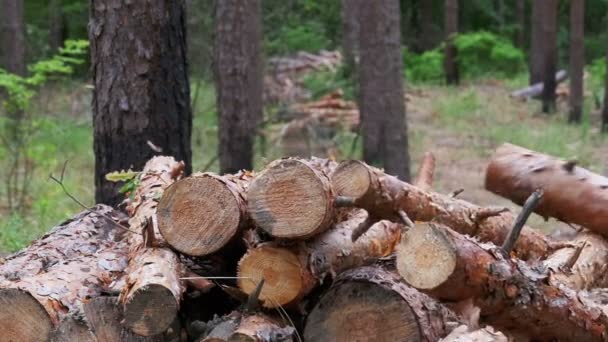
(460, 122)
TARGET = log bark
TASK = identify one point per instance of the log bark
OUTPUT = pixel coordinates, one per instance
(199, 215)
(48, 282)
(463, 334)
(153, 287)
(536, 89)
(570, 193)
(292, 198)
(371, 303)
(383, 196)
(424, 178)
(291, 272)
(511, 295)
(243, 327)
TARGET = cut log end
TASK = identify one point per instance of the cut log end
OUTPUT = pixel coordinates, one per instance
(354, 311)
(425, 258)
(351, 179)
(199, 215)
(291, 199)
(283, 275)
(151, 310)
(22, 318)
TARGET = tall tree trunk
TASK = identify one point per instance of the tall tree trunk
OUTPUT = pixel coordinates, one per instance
(577, 59)
(536, 44)
(350, 32)
(383, 123)
(520, 16)
(605, 106)
(12, 36)
(141, 102)
(57, 32)
(549, 54)
(427, 38)
(238, 80)
(450, 63)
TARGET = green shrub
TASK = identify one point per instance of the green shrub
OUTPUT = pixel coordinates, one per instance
(426, 67)
(481, 53)
(307, 36)
(597, 73)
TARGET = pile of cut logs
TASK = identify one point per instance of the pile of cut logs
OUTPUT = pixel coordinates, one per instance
(314, 250)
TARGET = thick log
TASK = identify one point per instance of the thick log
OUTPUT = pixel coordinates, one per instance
(199, 215)
(371, 303)
(383, 196)
(424, 178)
(153, 287)
(291, 272)
(292, 198)
(511, 295)
(241, 327)
(536, 89)
(48, 282)
(486, 334)
(570, 193)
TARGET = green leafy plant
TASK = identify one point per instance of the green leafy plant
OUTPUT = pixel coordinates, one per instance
(307, 36)
(425, 67)
(483, 52)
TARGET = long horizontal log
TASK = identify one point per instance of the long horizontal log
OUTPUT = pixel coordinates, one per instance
(383, 196)
(570, 193)
(291, 272)
(201, 214)
(371, 303)
(536, 89)
(153, 287)
(48, 282)
(511, 295)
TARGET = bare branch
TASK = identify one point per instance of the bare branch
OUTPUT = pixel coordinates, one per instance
(529, 206)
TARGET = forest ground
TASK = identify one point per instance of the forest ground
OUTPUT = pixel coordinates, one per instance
(460, 125)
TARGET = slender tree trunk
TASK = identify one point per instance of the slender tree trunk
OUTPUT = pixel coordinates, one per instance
(577, 59)
(141, 102)
(12, 36)
(450, 66)
(238, 80)
(57, 32)
(350, 32)
(605, 106)
(520, 15)
(383, 123)
(536, 44)
(549, 54)
(427, 39)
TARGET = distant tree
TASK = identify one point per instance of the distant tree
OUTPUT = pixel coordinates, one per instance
(520, 17)
(549, 54)
(12, 36)
(57, 28)
(537, 68)
(238, 80)
(427, 39)
(577, 59)
(451, 29)
(141, 97)
(605, 105)
(350, 32)
(384, 128)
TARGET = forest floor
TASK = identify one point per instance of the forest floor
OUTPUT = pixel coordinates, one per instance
(461, 125)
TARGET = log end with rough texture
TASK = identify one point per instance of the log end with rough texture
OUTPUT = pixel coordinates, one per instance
(285, 279)
(352, 179)
(291, 199)
(425, 258)
(199, 215)
(151, 310)
(254, 328)
(22, 317)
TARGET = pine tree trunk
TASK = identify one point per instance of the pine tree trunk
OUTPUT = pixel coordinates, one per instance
(427, 39)
(383, 195)
(141, 102)
(238, 81)
(570, 193)
(577, 59)
(537, 69)
(350, 32)
(549, 54)
(57, 32)
(12, 36)
(450, 63)
(383, 123)
(510, 294)
(604, 127)
(520, 17)
(371, 303)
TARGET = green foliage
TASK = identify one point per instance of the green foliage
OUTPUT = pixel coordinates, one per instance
(306, 36)
(321, 83)
(482, 52)
(597, 73)
(425, 67)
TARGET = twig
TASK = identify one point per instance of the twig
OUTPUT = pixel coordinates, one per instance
(456, 192)
(574, 258)
(529, 206)
(362, 228)
(405, 219)
(344, 201)
(73, 198)
(210, 162)
(253, 301)
(485, 213)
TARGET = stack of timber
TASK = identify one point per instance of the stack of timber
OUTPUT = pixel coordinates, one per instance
(314, 250)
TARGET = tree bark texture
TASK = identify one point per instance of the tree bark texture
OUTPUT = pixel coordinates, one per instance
(604, 127)
(549, 43)
(577, 59)
(57, 29)
(383, 123)
(238, 80)
(570, 193)
(141, 101)
(350, 32)
(49, 282)
(12, 36)
(383, 196)
(372, 303)
(153, 289)
(428, 32)
(537, 69)
(511, 295)
(450, 62)
(292, 272)
(246, 327)
(464, 334)
(520, 17)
